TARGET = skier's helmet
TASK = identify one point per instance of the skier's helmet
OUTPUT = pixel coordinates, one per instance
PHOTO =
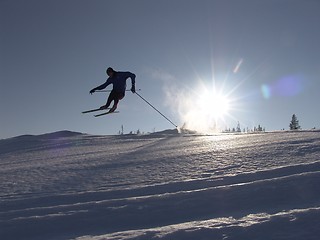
(109, 70)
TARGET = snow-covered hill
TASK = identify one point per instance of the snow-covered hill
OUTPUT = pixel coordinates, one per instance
(160, 186)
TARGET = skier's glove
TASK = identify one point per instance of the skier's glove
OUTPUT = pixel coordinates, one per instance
(92, 91)
(133, 88)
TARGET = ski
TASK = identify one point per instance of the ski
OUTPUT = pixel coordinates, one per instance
(105, 113)
(94, 110)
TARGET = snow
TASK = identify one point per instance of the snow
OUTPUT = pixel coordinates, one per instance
(168, 185)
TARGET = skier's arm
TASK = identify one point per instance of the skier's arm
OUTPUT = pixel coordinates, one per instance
(133, 81)
(102, 86)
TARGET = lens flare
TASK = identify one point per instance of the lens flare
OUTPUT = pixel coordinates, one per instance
(236, 69)
(287, 86)
(266, 91)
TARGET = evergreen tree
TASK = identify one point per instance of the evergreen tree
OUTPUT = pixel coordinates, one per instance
(238, 127)
(294, 124)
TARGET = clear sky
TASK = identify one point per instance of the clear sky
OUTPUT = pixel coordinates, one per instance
(261, 55)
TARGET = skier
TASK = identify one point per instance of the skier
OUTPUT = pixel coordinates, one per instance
(118, 79)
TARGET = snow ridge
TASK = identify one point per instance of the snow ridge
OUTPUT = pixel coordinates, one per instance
(161, 187)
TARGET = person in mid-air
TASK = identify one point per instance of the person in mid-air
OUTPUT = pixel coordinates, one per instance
(118, 79)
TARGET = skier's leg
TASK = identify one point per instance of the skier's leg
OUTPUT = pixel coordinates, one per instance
(111, 97)
(115, 105)
(118, 97)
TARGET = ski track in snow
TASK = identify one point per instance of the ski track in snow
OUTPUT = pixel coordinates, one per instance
(250, 186)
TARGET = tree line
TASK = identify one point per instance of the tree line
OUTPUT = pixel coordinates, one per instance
(293, 125)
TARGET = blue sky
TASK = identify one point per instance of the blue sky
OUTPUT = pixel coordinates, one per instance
(53, 52)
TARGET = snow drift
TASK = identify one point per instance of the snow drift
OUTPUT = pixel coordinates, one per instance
(162, 186)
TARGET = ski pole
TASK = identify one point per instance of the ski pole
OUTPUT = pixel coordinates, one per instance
(111, 90)
(156, 110)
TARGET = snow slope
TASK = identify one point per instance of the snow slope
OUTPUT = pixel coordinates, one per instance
(160, 186)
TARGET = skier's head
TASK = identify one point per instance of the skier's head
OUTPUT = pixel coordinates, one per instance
(110, 72)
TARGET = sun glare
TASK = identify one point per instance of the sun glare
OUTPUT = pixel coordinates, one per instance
(214, 104)
(210, 106)
(208, 111)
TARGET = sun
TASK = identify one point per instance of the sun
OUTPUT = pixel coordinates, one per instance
(213, 104)
(207, 108)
